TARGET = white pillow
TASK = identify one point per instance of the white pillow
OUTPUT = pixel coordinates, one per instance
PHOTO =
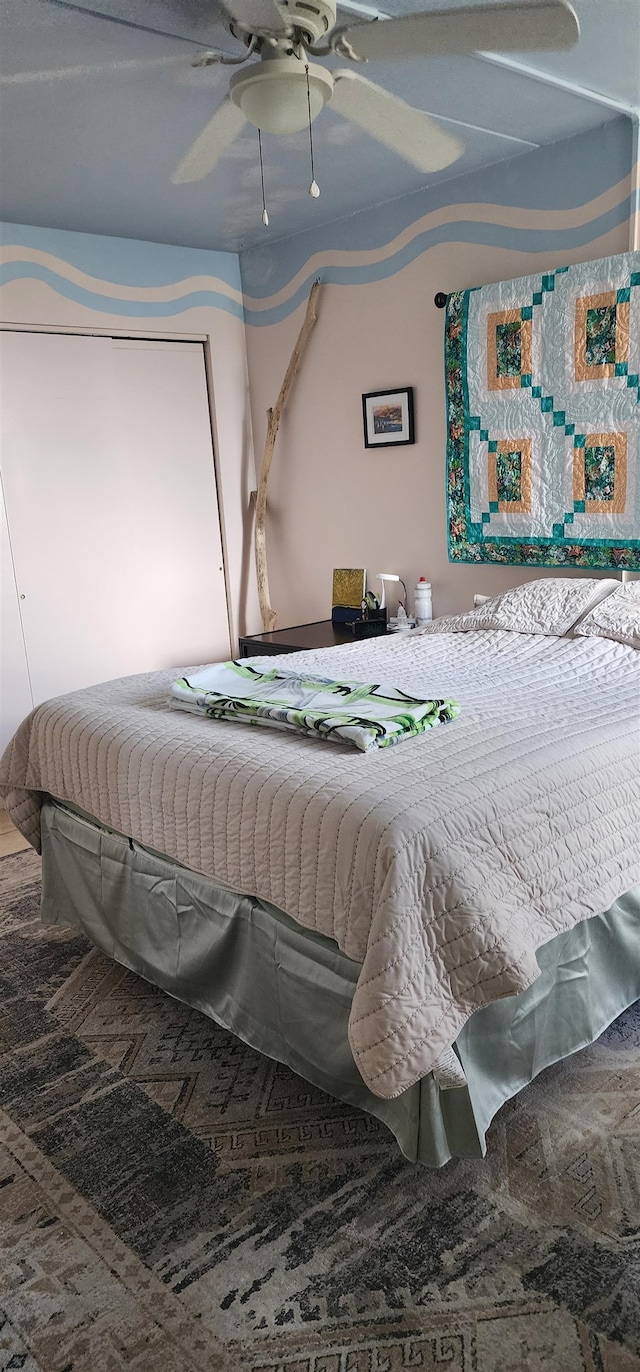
(618, 617)
(549, 606)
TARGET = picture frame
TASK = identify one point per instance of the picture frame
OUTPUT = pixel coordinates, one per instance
(388, 418)
(349, 586)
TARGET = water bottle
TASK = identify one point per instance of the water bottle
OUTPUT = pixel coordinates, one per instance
(423, 611)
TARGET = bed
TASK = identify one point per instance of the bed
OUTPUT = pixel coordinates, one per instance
(418, 930)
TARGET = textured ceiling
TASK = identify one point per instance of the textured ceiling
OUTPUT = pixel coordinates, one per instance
(94, 117)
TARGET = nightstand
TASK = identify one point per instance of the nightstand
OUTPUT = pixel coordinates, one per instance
(321, 634)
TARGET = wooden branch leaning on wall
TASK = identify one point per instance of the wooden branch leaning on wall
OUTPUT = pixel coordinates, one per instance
(269, 617)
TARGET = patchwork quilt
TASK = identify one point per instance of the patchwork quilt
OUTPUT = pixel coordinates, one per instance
(543, 410)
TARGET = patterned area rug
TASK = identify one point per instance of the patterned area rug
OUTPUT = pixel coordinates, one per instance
(171, 1201)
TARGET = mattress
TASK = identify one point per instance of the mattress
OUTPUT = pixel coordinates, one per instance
(440, 866)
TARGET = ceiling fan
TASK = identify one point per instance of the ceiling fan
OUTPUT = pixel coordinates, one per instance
(284, 91)
(281, 90)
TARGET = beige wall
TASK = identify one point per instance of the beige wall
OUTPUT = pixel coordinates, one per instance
(331, 501)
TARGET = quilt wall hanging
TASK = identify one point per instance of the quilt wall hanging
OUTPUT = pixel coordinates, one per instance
(543, 412)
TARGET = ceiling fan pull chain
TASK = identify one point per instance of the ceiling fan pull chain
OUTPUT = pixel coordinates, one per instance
(314, 188)
(265, 217)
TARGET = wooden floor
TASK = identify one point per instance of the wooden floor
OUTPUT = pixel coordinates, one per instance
(10, 840)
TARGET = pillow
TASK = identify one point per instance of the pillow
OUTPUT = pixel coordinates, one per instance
(549, 606)
(618, 617)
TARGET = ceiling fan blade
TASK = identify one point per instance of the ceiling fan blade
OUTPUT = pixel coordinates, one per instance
(137, 64)
(530, 27)
(407, 131)
(94, 13)
(218, 135)
(258, 16)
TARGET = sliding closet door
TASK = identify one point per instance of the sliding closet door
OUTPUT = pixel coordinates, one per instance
(15, 688)
(170, 546)
(110, 490)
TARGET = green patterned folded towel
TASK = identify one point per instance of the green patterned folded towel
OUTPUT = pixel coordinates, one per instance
(347, 711)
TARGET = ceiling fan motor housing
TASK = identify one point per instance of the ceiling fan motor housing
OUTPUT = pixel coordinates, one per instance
(314, 18)
(272, 93)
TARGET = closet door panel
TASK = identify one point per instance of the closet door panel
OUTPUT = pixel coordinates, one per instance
(169, 546)
(56, 447)
(111, 502)
(15, 691)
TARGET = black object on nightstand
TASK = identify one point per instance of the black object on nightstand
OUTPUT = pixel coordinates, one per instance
(368, 627)
(321, 634)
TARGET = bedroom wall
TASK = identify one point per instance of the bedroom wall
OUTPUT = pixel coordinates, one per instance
(58, 279)
(331, 502)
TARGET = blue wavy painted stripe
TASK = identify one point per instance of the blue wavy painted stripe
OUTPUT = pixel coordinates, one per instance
(125, 261)
(107, 304)
(465, 231)
(563, 178)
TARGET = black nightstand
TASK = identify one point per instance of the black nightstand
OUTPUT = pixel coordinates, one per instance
(322, 634)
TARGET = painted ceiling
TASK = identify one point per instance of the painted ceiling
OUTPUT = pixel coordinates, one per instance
(95, 116)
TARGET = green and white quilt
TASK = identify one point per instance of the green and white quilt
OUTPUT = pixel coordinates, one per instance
(343, 711)
(543, 401)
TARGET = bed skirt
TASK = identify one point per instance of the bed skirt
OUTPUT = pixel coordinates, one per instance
(287, 992)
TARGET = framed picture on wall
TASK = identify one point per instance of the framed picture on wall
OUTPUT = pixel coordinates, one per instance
(388, 418)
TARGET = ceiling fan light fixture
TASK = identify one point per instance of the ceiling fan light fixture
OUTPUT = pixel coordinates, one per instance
(273, 95)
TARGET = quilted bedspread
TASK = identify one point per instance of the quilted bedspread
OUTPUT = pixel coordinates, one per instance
(440, 866)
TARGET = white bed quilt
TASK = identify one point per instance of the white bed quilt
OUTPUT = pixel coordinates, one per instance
(441, 866)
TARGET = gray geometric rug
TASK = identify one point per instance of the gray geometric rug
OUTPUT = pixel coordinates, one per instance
(171, 1201)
